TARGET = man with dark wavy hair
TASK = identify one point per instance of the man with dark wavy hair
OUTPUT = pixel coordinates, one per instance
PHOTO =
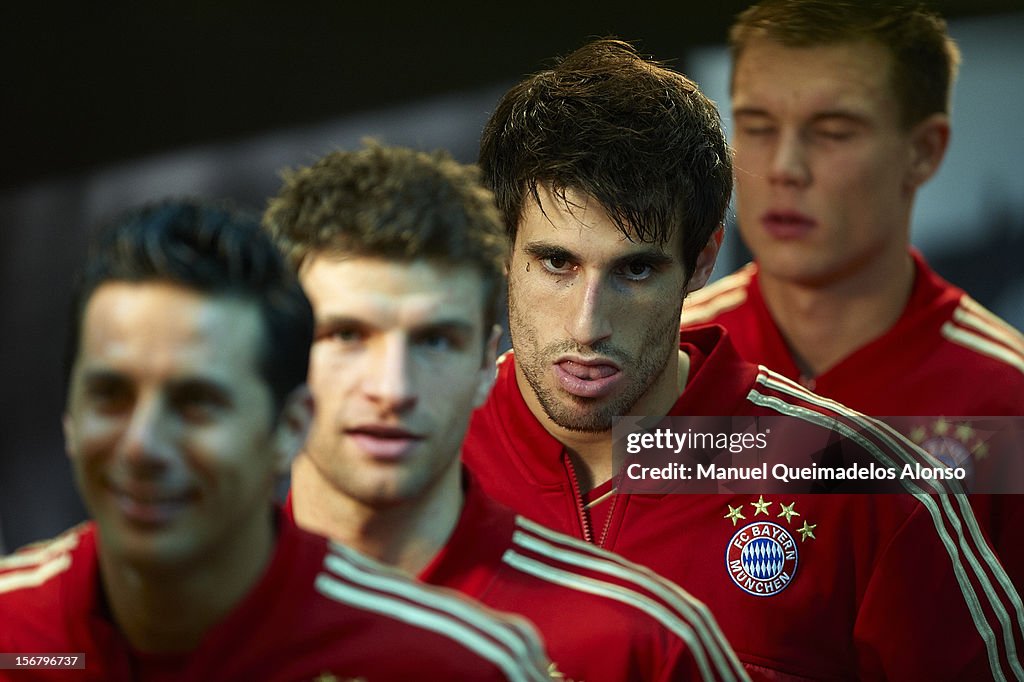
(402, 254)
(613, 176)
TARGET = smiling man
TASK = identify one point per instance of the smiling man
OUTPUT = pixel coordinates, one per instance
(612, 175)
(841, 114)
(186, 400)
(402, 255)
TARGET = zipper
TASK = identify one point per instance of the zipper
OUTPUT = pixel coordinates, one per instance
(581, 510)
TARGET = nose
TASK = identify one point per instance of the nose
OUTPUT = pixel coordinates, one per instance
(589, 321)
(789, 161)
(389, 383)
(147, 442)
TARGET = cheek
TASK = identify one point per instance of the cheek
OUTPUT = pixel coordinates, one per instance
(320, 367)
(330, 378)
(750, 162)
(653, 321)
(239, 451)
(662, 316)
(90, 438)
(529, 282)
(749, 185)
(526, 308)
(860, 170)
(452, 387)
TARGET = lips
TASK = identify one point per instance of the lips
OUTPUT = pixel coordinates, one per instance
(784, 224)
(149, 505)
(587, 378)
(385, 443)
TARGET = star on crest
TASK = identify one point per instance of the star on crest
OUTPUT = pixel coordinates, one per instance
(735, 513)
(760, 507)
(942, 427)
(918, 434)
(807, 531)
(964, 432)
(789, 512)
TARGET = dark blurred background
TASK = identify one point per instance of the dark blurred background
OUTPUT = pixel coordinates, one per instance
(108, 106)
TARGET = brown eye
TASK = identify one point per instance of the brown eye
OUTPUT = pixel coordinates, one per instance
(637, 271)
(556, 264)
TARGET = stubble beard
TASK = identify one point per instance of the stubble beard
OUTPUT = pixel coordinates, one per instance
(591, 415)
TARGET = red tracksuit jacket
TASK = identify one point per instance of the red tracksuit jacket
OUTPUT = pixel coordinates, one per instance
(319, 610)
(602, 618)
(946, 356)
(879, 586)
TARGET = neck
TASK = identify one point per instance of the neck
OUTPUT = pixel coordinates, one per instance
(406, 534)
(593, 457)
(168, 609)
(825, 322)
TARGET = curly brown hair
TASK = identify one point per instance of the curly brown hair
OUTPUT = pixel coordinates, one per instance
(394, 203)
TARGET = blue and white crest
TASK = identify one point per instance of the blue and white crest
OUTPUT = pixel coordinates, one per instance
(761, 558)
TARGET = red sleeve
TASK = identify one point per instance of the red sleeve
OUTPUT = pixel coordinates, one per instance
(917, 571)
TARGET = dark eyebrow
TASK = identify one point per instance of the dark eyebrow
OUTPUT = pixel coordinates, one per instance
(458, 331)
(201, 387)
(750, 111)
(829, 114)
(544, 250)
(445, 325)
(452, 325)
(194, 386)
(338, 321)
(102, 377)
(652, 256)
(839, 115)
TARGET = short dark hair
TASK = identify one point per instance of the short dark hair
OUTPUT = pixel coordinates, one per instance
(395, 203)
(214, 249)
(637, 136)
(924, 57)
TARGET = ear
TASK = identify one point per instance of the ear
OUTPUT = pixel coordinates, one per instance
(489, 370)
(292, 427)
(928, 142)
(706, 261)
(70, 442)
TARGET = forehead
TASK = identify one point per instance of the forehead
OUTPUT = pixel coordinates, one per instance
(390, 292)
(162, 329)
(855, 76)
(580, 224)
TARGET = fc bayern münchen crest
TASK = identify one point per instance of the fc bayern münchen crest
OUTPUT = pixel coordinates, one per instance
(761, 558)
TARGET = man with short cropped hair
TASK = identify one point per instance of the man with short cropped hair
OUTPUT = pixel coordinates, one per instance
(841, 113)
